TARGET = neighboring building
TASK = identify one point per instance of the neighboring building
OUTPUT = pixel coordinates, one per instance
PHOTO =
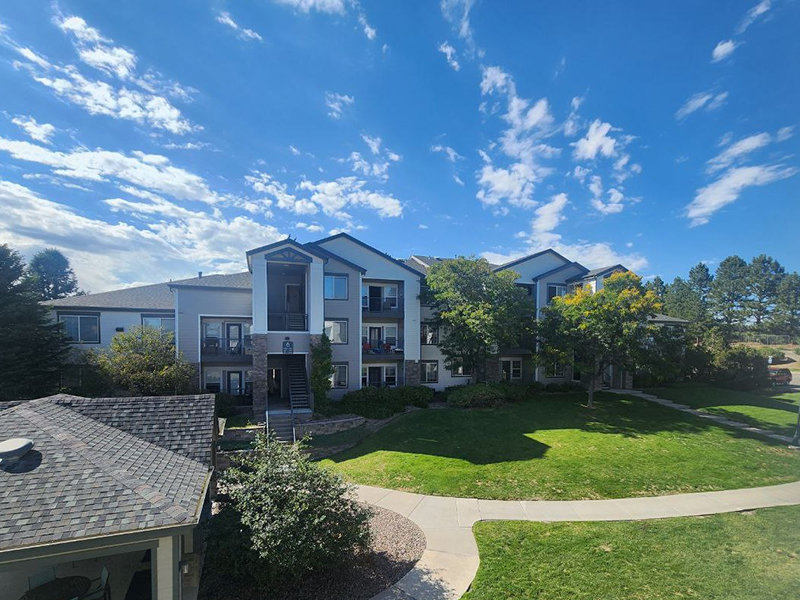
(250, 333)
(109, 497)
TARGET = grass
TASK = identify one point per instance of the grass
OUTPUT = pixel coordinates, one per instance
(239, 422)
(737, 556)
(340, 438)
(774, 409)
(553, 447)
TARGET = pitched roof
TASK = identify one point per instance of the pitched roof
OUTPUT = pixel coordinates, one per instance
(357, 241)
(150, 297)
(422, 263)
(561, 268)
(85, 478)
(530, 256)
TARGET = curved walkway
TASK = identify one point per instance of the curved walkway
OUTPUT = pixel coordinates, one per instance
(450, 560)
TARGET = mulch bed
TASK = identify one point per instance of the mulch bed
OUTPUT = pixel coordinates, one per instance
(397, 544)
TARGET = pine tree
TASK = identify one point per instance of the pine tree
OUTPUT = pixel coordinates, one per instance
(34, 347)
(52, 277)
(700, 280)
(728, 292)
(764, 276)
(657, 286)
(787, 306)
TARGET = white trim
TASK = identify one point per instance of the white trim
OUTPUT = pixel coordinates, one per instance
(360, 360)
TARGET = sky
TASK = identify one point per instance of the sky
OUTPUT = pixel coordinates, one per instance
(150, 140)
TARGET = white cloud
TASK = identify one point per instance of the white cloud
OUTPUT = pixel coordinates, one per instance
(374, 143)
(33, 57)
(149, 171)
(495, 79)
(580, 173)
(572, 124)
(784, 133)
(96, 51)
(597, 141)
(737, 151)
(611, 206)
(80, 29)
(241, 32)
(334, 196)
(369, 31)
(277, 192)
(323, 6)
(41, 132)
(457, 13)
(514, 184)
(376, 169)
(723, 50)
(451, 154)
(729, 187)
(549, 215)
(450, 54)
(706, 100)
(336, 103)
(753, 14)
(312, 227)
(294, 150)
(458, 180)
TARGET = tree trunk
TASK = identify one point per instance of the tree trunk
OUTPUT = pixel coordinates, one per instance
(591, 389)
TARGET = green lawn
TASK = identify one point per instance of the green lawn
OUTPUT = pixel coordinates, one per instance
(774, 409)
(553, 447)
(738, 556)
(340, 438)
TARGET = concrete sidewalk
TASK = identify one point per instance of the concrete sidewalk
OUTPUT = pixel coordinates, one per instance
(450, 560)
(720, 420)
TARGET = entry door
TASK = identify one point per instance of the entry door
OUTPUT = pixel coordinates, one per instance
(374, 376)
(505, 370)
(274, 382)
(375, 337)
(375, 297)
(233, 331)
(235, 387)
(294, 298)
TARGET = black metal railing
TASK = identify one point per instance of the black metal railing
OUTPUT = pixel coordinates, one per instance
(382, 305)
(226, 346)
(387, 346)
(287, 321)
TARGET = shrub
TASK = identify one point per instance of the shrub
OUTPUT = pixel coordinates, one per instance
(481, 395)
(321, 368)
(225, 404)
(741, 368)
(377, 403)
(778, 355)
(564, 386)
(415, 395)
(291, 515)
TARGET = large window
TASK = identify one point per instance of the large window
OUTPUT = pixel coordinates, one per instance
(429, 334)
(511, 368)
(213, 380)
(429, 371)
(335, 287)
(390, 296)
(159, 322)
(555, 290)
(457, 369)
(84, 329)
(336, 330)
(390, 375)
(339, 377)
(554, 370)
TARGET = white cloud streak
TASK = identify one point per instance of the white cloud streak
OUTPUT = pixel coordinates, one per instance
(707, 100)
(41, 132)
(243, 33)
(450, 54)
(723, 50)
(337, 103)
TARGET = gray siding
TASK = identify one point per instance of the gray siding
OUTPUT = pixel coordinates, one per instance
(191, 303)
(349, 309)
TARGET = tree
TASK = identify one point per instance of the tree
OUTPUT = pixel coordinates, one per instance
(700, 280)
(657, 286)
(52, 275)
(787, 305)
(143, 361)
(481, 311)
(595, 331)
(728, 292)
(34, 347)
(764, 276)
(321, 368)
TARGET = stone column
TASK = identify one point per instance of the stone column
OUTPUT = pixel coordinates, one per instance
(412, 371)
(258, 374)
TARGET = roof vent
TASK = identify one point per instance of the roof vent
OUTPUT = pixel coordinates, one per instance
(13, 449)
(199, 274)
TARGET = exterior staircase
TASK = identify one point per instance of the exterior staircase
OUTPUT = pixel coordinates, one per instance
(282, 425)
(299, 394)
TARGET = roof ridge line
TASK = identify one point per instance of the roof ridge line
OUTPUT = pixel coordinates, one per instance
(121, 475)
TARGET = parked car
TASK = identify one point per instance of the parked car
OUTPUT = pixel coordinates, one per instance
(780, 376)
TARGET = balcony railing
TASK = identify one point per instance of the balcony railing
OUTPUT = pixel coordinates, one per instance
(382, 307)
(225, 348)
(287, 321)
(388, 346)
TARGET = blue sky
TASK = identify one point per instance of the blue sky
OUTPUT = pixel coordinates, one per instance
(149, 140)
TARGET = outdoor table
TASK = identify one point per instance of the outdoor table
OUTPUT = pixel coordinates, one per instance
(61, 588)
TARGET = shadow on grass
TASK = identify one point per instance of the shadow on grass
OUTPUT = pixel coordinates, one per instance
(508, 434)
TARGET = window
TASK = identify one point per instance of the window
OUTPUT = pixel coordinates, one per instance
(84, 329)
(390, 375)
(555, 290)
(336, 331)
(158, 322)
(390, 296)
(363, 377)
(429, 371)
(457, 369)
(554, 369)
(429, 334)
(511, 368)
(390, 335)
(364, 296)
(339, 377)
(213, 380)
(335, 287)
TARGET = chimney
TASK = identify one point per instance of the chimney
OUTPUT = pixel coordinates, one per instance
(199, 274)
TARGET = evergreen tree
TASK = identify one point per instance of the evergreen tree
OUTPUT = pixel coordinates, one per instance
(657, 286)
(700, 280)
(321, 368)
(728, 292)
(52, 275)
(683, 301)
(787, 306)
(764, 276)
(34, 347)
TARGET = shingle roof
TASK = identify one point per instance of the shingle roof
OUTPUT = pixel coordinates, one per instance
(85, 478)
(421, 262)
(597, 272)
(150, 297)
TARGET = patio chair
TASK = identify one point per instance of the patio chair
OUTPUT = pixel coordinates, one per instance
(100, 590)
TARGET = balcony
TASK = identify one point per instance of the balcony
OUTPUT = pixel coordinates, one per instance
(386, 308)
(389, 349)
(287, 321)
(215, 349)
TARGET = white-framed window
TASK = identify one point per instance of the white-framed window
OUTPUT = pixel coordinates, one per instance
(336, 330)
(457, 369)
(429, 334)
(335, 287)
(390, 334)
(390, 375)
(554, 370)
(83, 329)
(159, 322)
(429, 371)
(212, 380)
(390, 296)
(363, 377)
(339, 377)
(554, 290)
(511, 369)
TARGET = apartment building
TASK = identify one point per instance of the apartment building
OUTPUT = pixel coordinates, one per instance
(250, 333)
